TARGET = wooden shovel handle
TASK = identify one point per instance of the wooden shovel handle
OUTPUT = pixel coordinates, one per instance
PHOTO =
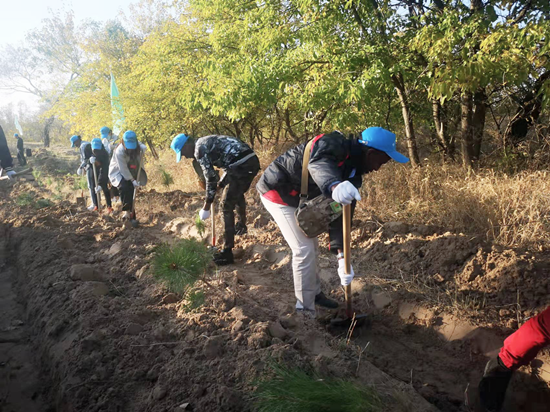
(213, 217)
(347, 255)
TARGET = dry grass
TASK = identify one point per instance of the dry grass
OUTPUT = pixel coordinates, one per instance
(510, 210)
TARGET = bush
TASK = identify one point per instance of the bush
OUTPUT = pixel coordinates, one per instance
(179, 266)
(166, 178)
(25, 199)
(292, 390)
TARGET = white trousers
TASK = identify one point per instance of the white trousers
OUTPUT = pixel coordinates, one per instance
(305, 260)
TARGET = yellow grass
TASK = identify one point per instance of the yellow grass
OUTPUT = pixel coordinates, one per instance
(511, 210)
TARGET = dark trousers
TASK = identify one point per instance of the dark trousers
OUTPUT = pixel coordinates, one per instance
(238, 183)
(21, 158)
(104, 187)
(126, 190)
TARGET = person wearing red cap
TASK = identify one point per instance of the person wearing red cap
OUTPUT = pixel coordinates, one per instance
(336, 167)
(520, 348)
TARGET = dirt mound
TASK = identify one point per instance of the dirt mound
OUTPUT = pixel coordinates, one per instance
(488, 284)
(112, 340)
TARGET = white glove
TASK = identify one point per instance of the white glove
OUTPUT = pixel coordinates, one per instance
(143, 147)
(80, 171)
(136, 183)
(204, 214)
(92, 160)
(11, 174)
(345, 192)
(98, 189)
(344, 279)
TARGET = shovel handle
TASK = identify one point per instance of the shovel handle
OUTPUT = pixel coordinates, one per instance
(347, 255)
(22, 172)
(213, 216)
(138, 174)
(97, 195)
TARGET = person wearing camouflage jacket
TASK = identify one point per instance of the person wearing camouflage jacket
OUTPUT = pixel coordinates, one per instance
(6, 161)
(240, 165)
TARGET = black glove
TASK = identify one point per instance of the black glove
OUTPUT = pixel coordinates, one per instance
(493, 385)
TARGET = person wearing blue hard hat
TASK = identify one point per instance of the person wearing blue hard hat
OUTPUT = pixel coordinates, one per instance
(334, 170)
(85, 149)
(106, 138)
(240, 165)
(126, 164)
(20, 150)
(100, 158)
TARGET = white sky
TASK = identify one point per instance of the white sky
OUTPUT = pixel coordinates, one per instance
(20, 16)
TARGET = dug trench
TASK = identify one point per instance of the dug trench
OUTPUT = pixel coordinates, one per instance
(103, 335)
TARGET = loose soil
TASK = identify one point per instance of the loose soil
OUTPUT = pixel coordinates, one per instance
(88, 328)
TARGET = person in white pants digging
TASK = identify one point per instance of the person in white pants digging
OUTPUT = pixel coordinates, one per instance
(335, 170)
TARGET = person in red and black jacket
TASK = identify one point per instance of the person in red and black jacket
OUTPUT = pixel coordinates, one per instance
(6, 161)
(520, 348)
(336, 168)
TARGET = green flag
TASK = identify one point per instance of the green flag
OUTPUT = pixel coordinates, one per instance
(116, 108)
(18, 126)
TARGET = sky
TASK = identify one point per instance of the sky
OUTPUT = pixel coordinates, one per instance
(19, 17)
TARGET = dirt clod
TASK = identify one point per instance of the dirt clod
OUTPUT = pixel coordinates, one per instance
(277, 331)
(85, 272)
(133, 329)
(170, 298)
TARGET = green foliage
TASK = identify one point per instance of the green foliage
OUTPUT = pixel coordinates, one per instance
(42, 203)
(195, 299)
(293, 390)
(37, 174)
(199, 224)
(25, 199)
(166, 178)
(180, 265)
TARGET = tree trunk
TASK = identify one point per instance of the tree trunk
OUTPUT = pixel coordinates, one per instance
(467, 131)
(47, 127)
(478, 121)
(407, 119)
(441, 131)
(527, 113)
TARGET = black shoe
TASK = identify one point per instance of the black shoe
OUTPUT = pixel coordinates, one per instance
(325, 302)
(493, 385)
(225, 257)
(240, 229)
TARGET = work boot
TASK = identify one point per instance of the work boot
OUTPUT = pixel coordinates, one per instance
(240, 229)
(225, 257)
(493, 385)
(325, 302)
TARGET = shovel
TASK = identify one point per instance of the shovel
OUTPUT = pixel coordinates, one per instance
(351, 319)
(20, 173)
(98, 195)
(134, 221)
(213, 216)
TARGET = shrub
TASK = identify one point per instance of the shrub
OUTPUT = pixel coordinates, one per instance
(293, 390)
(25, 199)
(179, 266)
(166, 178)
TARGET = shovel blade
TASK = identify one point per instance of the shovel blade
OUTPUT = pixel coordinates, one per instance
(362, 320)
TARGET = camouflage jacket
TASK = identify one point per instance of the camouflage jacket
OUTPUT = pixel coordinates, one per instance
(223, 152)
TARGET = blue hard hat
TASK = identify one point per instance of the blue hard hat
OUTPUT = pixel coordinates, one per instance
(130, 139)
(97, 144)
(105, 131)
(74, 138)
(15, 135)
(177, 145)
(383, 140)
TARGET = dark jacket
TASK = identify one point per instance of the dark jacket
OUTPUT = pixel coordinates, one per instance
(333, 159)
(6, 161)
(85, 154)
(223, 152)
(20, 145)
(102, 165)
